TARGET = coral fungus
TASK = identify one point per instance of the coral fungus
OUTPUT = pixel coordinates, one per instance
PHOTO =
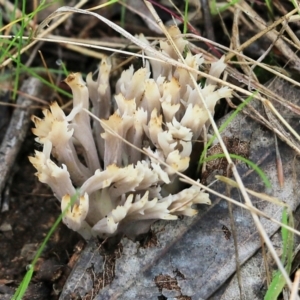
(115, 185)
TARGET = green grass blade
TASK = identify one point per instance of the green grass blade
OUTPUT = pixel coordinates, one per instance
(43, 80)
(275, 287)
(16, 44)
(24, 285)
(295, 5)
(270, 7)
(123, 13)
(64, 69)
(56, 88)
(19, 48)
(252, 165)
(215, 10)
(287, 239)
(27, 278)
(284, 235)
(222, 128)
(185, 20)
(278, 281)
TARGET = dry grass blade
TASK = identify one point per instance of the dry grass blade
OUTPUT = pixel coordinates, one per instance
(66, 10)
(230, 162)
(256, 194)
(269, 32)
(186, 179)
(44, 33)
(236, 44)
(295, 288)
(269, 106)
(12, 8)
(271, 112)
(235, 73)
(142, 12)
(157, 54)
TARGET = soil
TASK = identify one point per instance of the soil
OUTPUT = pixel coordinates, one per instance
(32, 211)
(32, 207)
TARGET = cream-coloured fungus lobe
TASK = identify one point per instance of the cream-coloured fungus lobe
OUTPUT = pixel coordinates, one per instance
(121, 190)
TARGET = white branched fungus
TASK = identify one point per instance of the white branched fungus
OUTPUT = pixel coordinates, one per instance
(111, 186)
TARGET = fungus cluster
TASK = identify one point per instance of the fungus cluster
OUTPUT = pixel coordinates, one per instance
(105, 185)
